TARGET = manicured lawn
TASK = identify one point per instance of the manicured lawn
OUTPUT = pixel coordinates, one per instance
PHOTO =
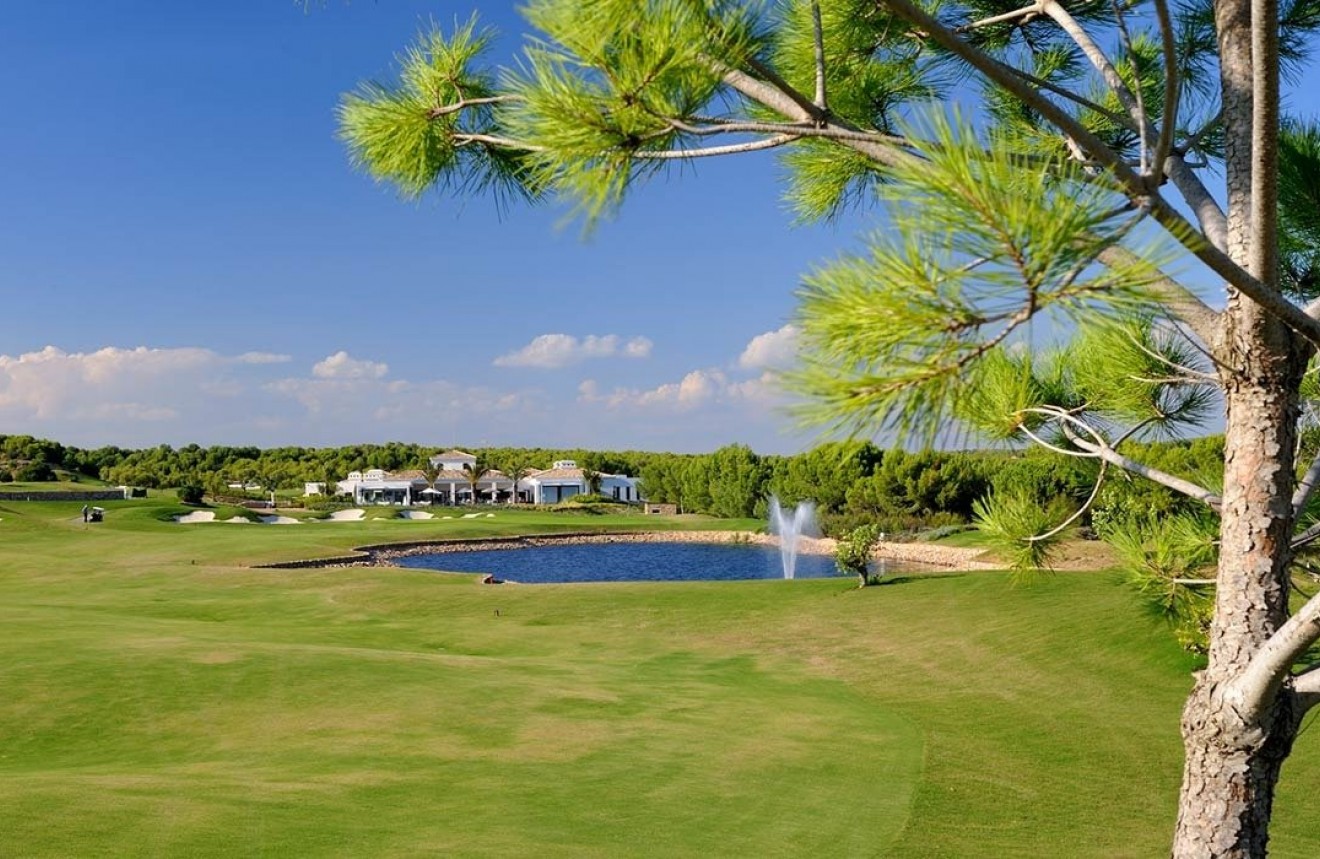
(160, 698)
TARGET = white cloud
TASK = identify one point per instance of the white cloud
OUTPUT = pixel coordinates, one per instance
(143, 396)
(263, 358)
(773, 349)
(697, 389)
(139, 397)
(550, 351)
(54, 383)
(637, 347)
(343, 366)
(434, 405)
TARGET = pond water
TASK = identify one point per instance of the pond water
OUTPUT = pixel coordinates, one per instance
(626, 562)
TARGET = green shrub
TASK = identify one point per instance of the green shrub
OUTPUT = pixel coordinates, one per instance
(191, 493)
(34, 472)
(895, 525)
(853, 553)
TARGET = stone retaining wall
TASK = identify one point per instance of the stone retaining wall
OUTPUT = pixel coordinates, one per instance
(61, 495)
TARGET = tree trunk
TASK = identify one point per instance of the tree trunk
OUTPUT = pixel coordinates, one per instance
(1229, 775)
(1233, 759)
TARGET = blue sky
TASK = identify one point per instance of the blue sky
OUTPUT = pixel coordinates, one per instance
(188, 256)
(186, 245)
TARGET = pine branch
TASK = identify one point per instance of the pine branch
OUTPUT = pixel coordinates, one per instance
(1306, 488)
(1171, 84)
(712, 151)
(463, 104)
(786, 104)
(1081, 101)
(1306, 686)
(1026, 13)
(1167, 216)
(1253, 688)
(818, 37)
(1138, 107)
(1101, 449)
(1187, 307)
(1264, 255)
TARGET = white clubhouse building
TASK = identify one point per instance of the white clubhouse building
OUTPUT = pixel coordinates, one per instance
(453, 484)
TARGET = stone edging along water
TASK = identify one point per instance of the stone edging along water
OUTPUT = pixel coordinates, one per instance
(926, 554)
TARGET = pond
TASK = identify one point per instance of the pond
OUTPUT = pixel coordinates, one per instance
(626, 562)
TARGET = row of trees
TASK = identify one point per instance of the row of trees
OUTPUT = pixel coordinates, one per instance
(25, 457)
(852, 483)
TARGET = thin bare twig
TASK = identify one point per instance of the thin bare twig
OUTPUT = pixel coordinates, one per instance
(818, 35)
(1193, 141)
(1025, 12)
(464, 104)
(1139, 102)
(1115, 117)
(1169, 118)
(1306, 488)
(711, 151)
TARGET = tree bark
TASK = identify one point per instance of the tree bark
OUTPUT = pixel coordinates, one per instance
(1233, 758)
(1229, 775)
(1236, 739)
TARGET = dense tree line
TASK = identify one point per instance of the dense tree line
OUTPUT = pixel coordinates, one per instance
(23, 457)
(852, 483)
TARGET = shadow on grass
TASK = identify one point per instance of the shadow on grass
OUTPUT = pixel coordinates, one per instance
(909, 579)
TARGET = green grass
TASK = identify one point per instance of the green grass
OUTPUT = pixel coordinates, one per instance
(161, 698)
(971, 539)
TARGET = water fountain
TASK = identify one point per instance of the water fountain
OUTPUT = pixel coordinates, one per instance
(790, 528)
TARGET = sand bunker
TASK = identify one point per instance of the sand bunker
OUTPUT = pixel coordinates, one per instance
(280, 520)
(415, 514)
(347, 516)
(209, 516)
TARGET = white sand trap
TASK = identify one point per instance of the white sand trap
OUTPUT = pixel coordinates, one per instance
(446, 517)
(490, 515)
(279, 520)
(415, 514)
(347, 515)
(471, 515)
(239, 520)
(195, 516)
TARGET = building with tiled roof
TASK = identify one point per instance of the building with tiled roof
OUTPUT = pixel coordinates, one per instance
(453, 485)
(453, 460)
(564, 479)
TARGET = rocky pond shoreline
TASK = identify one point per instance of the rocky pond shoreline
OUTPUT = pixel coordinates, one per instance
(922, 554)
